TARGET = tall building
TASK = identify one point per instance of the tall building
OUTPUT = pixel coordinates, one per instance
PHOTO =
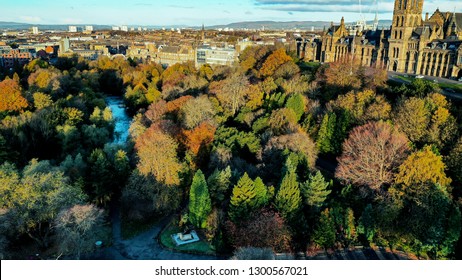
(89, 28)
(73, 29)
(124, 28)
(35, 30)
(430, 46)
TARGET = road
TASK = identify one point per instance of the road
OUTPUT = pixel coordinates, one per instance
(392, 76)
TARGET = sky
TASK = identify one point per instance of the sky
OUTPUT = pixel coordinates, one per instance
(198, 12)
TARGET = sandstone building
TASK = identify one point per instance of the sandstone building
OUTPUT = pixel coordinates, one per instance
(413, 45)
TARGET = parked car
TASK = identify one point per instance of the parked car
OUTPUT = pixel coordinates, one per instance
(419, 77)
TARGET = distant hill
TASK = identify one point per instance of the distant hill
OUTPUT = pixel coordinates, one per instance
(25, 26)
(269, 25)
(279, 25)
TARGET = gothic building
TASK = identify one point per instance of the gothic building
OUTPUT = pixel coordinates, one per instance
(430, 46)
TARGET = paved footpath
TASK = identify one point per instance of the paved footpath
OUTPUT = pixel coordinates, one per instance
(144, 246)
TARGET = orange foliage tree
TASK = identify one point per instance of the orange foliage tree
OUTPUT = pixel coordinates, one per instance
(273, 62)
(198, 137)
(10, 96)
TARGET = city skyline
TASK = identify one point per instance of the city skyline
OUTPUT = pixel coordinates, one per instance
(180, 12)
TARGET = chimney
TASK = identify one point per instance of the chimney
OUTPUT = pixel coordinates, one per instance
(426, 17)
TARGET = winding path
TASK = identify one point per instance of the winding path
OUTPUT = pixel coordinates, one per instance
(144, 246)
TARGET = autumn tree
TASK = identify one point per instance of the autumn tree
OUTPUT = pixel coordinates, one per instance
(10, 96)
(283, 121)
(413, 117)
(231, 92)
(33, 199)
(266, 229)
(199, 137)
(200, 204)
(77, 229)
(371, 155)
(273, 62)
(422, 167)
(157, 156)
(196, 111)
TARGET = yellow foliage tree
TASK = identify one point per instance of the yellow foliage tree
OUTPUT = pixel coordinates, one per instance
(10, 96)
(422, 167)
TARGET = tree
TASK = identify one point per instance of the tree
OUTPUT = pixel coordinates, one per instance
(200, 204)
(422, 167)
(288, 200)
(78, 228)
(10, 96)
(371, 155)
(315, 190)
(412, 118)
(326, 133)
(144, 197)
(42, 100)
(297, 103)
(34, 199)
(324, 234)
(245, 199)
(219, 183)
(273, 62)
(454, 162)
(199, 137)
(157, 156)
(265, 229)
(283, 121)
(231, 92)
(366, 223)
(196, 111)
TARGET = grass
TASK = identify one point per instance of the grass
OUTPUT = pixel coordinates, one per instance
(455, 87)
(200, 247)
(132, 228)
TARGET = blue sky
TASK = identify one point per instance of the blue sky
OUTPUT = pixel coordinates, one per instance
(196, 12)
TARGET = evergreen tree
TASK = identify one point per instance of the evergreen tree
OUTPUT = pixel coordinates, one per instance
(261, 193)
(326, 133)
(315, 190)
(349, 227)
(200, 204)
(296, 103)
(324, 234)
(366, 224)
(218, 184)
(243, 200)
(288, 200)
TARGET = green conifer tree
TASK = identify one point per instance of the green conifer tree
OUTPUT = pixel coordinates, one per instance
(219, 183)
(315, 190)
(288, 200)
(296, 103)
(326, 133)
(200, 204)
(324, 234)
(243, 199)
(261, 193)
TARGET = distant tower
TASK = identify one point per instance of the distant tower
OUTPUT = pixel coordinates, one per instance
(203, 34)
(407, 15)
(376, 21)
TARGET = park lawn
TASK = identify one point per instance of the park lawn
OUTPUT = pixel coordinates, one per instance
(455, 87)
(200, 247)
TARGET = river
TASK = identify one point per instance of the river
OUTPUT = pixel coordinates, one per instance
(121, 118)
